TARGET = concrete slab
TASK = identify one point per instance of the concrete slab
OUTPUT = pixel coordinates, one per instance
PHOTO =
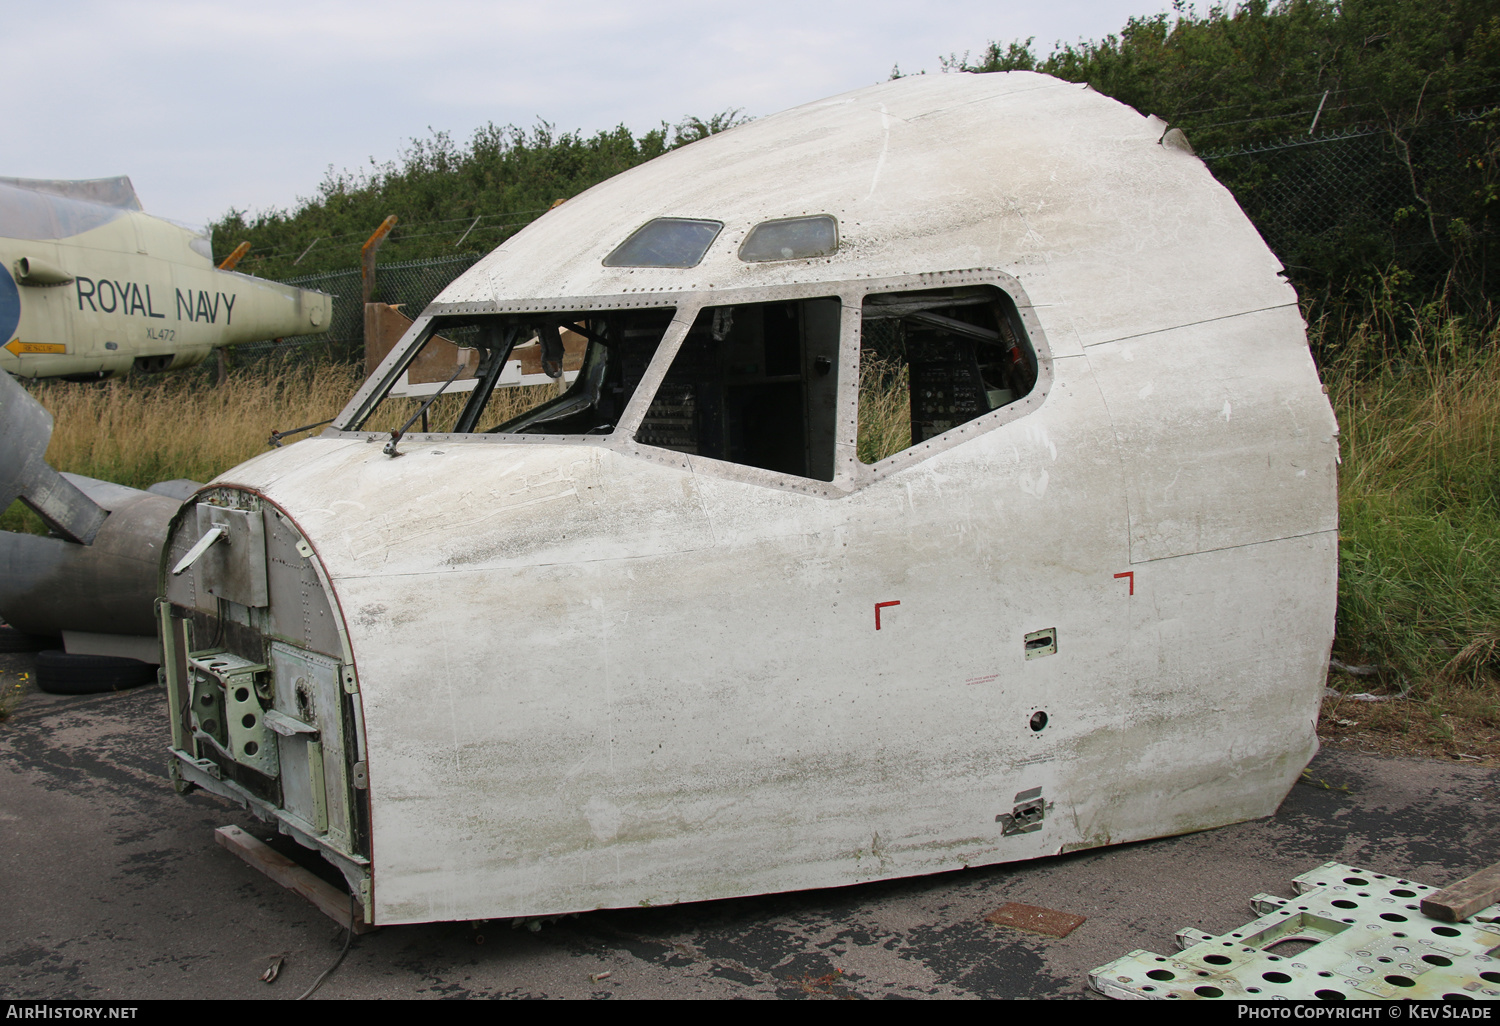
(112, 887)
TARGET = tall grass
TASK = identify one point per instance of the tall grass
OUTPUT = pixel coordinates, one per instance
(884, 408)
(1419, 500)
(504, 403)
(140, 430)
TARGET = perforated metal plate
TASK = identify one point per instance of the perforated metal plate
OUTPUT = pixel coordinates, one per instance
(1368, 940)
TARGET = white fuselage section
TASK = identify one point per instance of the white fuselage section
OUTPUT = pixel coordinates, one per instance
(596, 672)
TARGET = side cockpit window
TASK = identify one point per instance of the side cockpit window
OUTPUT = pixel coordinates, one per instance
(754, 384)
(535, 373)
(935, 359)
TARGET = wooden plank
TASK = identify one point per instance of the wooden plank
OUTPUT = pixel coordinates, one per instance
(1459, 901)
(328, 899)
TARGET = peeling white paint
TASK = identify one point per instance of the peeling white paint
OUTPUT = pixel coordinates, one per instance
(604, 819)
(1033, 485)
(1037, 432)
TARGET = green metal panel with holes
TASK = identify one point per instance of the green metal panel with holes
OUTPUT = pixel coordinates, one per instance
(1365, 935)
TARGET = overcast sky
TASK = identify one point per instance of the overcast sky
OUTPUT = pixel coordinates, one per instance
(210, 106)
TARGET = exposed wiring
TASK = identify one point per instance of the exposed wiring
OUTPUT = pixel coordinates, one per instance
(348, 939)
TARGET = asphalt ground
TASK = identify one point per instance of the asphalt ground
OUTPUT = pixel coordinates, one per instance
(112, 888)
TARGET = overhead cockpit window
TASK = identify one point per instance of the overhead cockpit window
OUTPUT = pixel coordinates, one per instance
(932, 360)
(533, 373)
(791, 238)
(754, 384)
(666, 242)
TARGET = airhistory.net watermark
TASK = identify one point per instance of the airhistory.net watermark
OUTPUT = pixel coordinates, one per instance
(41, 1010)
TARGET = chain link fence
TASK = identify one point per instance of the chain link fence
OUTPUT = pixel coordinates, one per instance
(1342, 208)
(411, 285)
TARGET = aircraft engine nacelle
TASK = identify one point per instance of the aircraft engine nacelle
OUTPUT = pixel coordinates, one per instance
(31, 271)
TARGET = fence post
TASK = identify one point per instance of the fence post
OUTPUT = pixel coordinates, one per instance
(367, 283)
(229, 262)
(367, 257)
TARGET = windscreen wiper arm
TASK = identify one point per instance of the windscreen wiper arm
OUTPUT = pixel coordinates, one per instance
(390, 447)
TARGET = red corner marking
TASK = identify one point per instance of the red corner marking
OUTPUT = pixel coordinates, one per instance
(878, 607)
(1131, 575)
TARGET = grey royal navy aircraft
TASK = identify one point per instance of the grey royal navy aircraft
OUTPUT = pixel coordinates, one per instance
(691, 630)
(91, 286)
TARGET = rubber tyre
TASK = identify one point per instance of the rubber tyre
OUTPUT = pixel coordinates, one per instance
(59, 673)
(12, 640)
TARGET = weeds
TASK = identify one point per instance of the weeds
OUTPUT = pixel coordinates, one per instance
(884, 408)
(10, 695)
(504, 404)
(1419, 505)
